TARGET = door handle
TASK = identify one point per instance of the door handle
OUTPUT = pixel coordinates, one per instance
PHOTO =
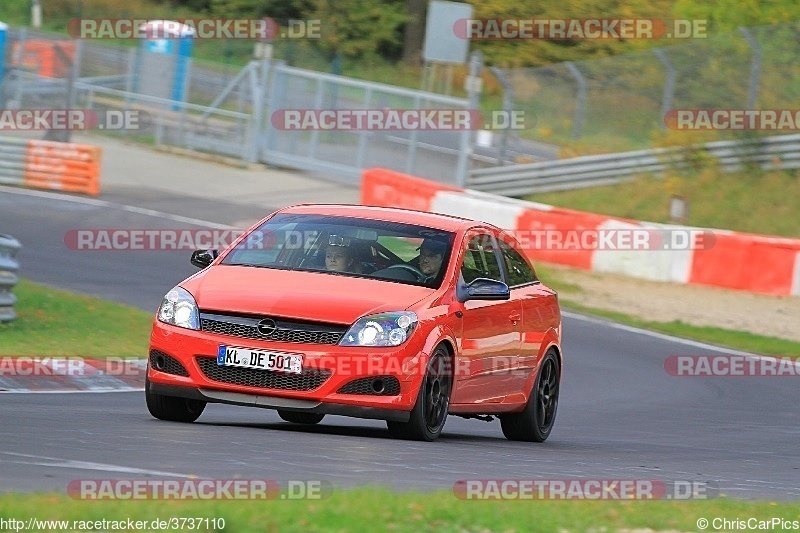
(514, 316)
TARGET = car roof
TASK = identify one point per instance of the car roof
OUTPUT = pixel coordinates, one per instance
(389, 214)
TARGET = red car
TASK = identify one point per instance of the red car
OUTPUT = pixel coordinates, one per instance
(366, 312)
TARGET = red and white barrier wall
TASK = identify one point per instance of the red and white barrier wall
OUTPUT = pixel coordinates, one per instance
(755, 263)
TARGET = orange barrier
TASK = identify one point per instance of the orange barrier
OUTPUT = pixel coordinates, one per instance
(62, 166)
(51, 59)
(554, 221)
(747, 262)
(755, 263)
(387, 188)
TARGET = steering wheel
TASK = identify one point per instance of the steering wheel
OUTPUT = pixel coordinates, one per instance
(414, 270)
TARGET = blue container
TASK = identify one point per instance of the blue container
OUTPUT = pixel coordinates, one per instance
(177, 44)
(3, 40)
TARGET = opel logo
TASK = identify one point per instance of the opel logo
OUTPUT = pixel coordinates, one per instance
(267, 327)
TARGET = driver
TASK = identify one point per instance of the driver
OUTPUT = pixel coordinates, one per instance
(431, 254)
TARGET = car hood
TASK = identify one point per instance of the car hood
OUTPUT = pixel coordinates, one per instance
(317, 296)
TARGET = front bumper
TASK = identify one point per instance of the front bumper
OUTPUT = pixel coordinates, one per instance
(338, 365)
(275, 402)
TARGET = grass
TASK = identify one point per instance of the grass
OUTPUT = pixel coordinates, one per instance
(385, 510)
(56, 322)
(741, 340)
(747, 201)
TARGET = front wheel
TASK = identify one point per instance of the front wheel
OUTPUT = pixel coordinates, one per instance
(433, 401)
(535, 422)
(301, 418)
(172, 408)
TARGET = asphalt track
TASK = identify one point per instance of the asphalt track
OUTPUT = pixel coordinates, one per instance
(621, 416)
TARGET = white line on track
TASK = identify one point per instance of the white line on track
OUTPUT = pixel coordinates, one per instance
(670, 338)
(655, 334)
(56, 462)
(112, 205)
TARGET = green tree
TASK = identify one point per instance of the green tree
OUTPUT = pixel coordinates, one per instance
(534, 52)
(361, 28)
(276, 9)
(727, 15)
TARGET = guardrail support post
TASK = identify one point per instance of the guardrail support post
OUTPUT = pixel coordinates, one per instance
(9, 246)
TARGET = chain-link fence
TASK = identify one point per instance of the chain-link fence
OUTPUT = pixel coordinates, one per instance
(226, 110)
(619, 102)
(615, 103)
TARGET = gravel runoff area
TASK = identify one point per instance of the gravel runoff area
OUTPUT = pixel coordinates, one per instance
(773, 316)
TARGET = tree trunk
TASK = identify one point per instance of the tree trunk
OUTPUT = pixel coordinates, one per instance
(414, 32)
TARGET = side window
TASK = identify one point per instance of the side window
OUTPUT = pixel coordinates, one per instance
(518, 269)
(480, 261)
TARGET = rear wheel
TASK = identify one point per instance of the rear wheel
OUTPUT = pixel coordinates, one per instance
(301, 418)
(433, 401)
(535, 422)
(172, 408)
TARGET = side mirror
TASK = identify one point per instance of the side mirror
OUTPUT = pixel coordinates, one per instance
(203, 258)
(483, 289)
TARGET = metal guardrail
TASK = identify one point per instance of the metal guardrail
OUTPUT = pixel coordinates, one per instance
(779, 152)
(9, 246)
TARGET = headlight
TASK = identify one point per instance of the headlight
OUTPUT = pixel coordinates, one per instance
(385, 329)
(179, 309)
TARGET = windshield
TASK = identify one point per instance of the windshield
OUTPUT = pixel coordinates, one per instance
(344, 246)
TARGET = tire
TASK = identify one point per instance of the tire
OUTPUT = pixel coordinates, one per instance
(433, 401)
(172, 408)
(301, 418)
(535, 422)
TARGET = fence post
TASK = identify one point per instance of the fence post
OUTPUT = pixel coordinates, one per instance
(580, 108)
(755, 68)
(669, 85)
(508, 101)
(473, 97)
(9, 246)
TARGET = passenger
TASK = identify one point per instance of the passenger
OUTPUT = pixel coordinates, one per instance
(431, 254)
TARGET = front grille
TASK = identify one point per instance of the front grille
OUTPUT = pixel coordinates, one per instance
(310, 379)
(167, 364)
(391, 387)
(286, 330)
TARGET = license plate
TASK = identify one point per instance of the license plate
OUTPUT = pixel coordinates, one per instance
(238, 356)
